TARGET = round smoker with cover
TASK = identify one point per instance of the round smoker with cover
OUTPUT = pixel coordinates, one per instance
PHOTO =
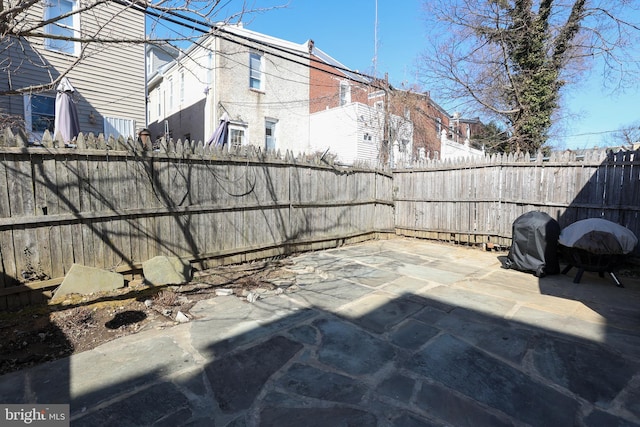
(597, 245)
(534, 244)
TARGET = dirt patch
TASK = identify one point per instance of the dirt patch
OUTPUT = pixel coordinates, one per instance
(39, 334)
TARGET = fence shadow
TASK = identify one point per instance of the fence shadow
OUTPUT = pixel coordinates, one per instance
(609, 192)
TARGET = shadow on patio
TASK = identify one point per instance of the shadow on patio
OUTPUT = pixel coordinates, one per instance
(401, 332)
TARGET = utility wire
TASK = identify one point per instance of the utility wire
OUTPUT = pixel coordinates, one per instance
(196, 25)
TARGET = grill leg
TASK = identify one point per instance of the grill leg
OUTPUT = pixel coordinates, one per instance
(567, 268)
(578, 275)
(615, 279)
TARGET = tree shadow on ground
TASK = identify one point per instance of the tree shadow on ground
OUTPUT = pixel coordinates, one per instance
(347, 347)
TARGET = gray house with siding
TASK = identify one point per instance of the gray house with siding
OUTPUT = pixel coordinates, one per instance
(108, 77)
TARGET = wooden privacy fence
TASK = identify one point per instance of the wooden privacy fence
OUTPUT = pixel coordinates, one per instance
(107, 204)
(477, 200)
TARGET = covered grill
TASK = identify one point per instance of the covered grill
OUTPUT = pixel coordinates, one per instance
(534, 246)
(597, 245)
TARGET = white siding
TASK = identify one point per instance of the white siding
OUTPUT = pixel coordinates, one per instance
(342, 131)
(451, 150)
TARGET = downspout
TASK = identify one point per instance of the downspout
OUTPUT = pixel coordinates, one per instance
(387, 118)
(146, 89)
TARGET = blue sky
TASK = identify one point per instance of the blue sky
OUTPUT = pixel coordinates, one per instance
(345, 30)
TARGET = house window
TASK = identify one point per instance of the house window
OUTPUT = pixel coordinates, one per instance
(43, 112)
(65, 28)
(379, 105)
(236, 137)
(345, 93)
(117, 127)
(39, 115)
(270, 134)
(256, 71)
(210, 68)
(170, 93)
(438, 126)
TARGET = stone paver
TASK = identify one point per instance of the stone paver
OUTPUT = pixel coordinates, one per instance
(399, 333)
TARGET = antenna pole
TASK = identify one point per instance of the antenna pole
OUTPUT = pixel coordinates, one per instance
(375, 42)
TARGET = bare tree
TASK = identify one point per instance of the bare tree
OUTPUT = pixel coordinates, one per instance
(514, 59)
(628, 136)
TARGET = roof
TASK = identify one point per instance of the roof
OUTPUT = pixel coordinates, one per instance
(352, 75)
(235, 32)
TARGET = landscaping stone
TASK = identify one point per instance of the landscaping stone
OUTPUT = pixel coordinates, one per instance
(87, 280)
(162, 270)
(181, 317)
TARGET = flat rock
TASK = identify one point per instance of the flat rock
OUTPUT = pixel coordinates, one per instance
(87, 280)
(237, 379)
(461, 367)
(163, 270)
(351, 350)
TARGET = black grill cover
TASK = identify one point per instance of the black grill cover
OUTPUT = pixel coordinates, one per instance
(534, 245)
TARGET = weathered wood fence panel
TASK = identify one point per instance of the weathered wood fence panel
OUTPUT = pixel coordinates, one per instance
(114, 209)
(477, 200)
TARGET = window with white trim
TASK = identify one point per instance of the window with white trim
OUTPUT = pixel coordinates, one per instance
(117, 126)
(65, 28)
(236, 137)
(270, 127)
(210, 68)
(170, 89)
(256, 71)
